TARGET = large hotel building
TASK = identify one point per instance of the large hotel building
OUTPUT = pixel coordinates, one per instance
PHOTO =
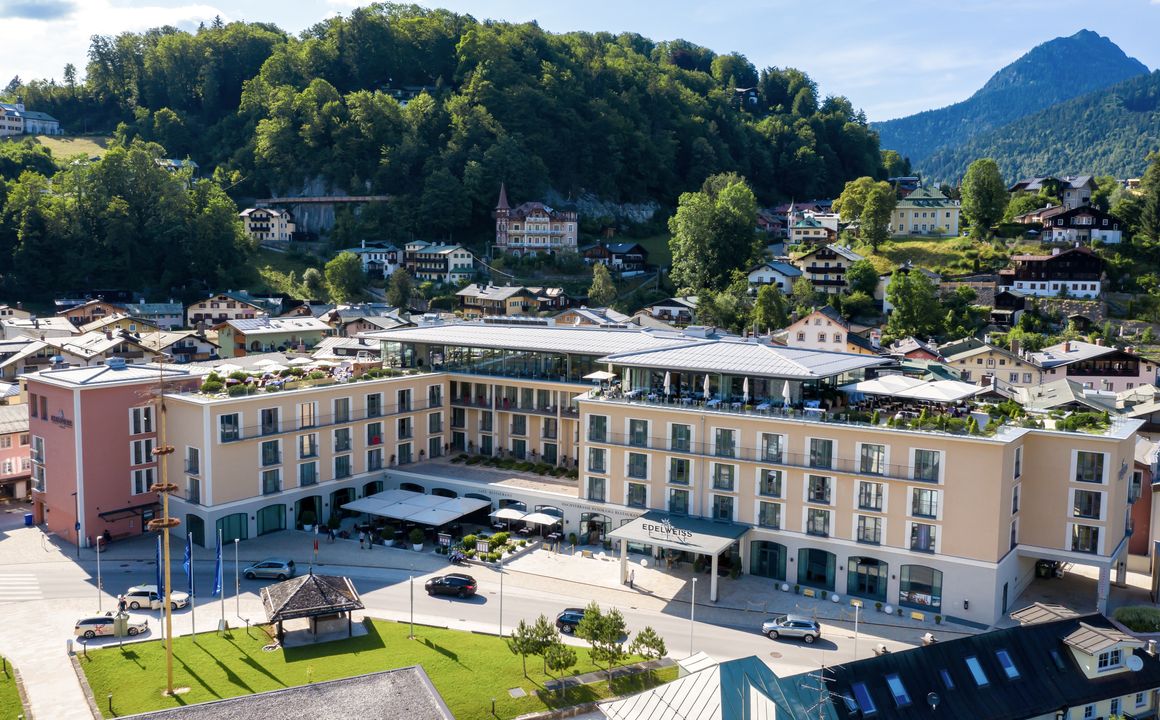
(732, 449)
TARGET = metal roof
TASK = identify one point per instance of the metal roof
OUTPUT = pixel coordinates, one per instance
(13, 418)
(1065, 354)
(104, 375)
(538, 338)
(270, 326)
(742, 689)
(1042, 612)
(740, 357)
(1092, 640)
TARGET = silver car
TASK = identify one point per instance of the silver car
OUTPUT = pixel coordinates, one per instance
(792, 626)
(270, 568)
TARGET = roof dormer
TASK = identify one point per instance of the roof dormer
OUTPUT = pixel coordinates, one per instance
(1102, 651)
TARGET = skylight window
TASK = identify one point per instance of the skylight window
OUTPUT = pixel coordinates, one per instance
(1008, 665)
(946, 678)
(977, 671)
(862, 697)
(898, 690)
(1058, 660)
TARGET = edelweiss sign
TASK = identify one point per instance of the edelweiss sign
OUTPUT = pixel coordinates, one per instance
(666, 529)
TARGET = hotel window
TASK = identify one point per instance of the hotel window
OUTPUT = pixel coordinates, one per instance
(434, 396)
(596, 489)
(818, 489)
(679, 502)
(375, 433)
(638, 465)
(193, 460)
(597, 428)
(142, 480)
(926, 465)
(1114, 705)
(341, 466)
(1089, 467)
(923, 537)
(869, 529)
(769, 482)
(725, 442)
(142, 451)
(435, 423)
(271, 481)
(872, 459)
(341, 410)
(1086, 504)
(403, 400)
(638, 433)
(519, 424)
(722, 507)
(270, 421)
(818, 522)
(771, 447)
(1141, 699)
(679, 471)
(374, 405)
(308, 474)
(1018, 463)
(1085, 538)
(924, 503)
(485, 421)
(307, 414)
(140, 419)
(342, 439)
(897, 690)
(1007, 664)
(271, 453)
(596, 460)
(405, 428)
(723, 477)
(977, 671)
(404, 450)
(680, 438)
(308, 445)
(821, 453)
(870, 496)
(769, 515)
(637, 495)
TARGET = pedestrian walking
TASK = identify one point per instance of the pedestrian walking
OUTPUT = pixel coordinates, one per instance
(362, 538)
(370, 539)
(632, 579)
(330, 534)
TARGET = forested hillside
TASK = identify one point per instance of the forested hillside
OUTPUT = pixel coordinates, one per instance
(1107, 132)
(1049, 73)
(621, 116)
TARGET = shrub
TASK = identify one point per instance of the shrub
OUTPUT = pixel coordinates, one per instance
(417, 537)
(493, 556)
(498, 540)
(273, 388)
(212, 386)
(238, 390)
(469, 552)
(1138, 618)
(239, 375)
(875, 417)
(468, 541)
(316, 375)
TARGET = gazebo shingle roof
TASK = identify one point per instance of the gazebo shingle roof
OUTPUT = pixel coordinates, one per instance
(309, 596)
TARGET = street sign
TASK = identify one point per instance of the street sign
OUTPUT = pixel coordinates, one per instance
(445, 539)
(482, 546)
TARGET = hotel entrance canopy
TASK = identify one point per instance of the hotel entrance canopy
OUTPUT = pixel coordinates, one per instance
(434, 510)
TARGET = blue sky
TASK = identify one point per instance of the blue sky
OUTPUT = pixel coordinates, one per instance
(890, 57)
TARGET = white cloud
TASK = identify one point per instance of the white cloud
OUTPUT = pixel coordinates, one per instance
(26, 40)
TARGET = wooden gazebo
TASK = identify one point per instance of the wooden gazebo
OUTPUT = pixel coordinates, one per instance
(311, 596)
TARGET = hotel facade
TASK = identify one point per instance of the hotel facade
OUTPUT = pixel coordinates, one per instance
(692, 442)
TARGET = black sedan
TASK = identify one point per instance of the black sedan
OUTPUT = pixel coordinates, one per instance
(567, 620)
(456, 584)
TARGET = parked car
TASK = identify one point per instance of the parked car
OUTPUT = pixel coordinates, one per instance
(792, 626)
(270, 568)
(456, 584)
(146, 596)
(102, 626)
(567, 620)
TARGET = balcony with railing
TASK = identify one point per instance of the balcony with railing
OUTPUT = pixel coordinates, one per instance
(247, 432)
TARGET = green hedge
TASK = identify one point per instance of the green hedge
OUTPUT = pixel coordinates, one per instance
(1138, 618)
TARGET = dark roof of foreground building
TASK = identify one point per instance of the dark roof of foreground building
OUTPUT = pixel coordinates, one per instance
(309, 596)
(403, 693)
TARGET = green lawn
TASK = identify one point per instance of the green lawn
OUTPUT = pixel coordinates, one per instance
(658, 249)
(63, 147)
(467, 669)
(9, 695)
(955, 255)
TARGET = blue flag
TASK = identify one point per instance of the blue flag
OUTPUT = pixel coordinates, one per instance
(188, 564)
(217, 573)
(160, 570)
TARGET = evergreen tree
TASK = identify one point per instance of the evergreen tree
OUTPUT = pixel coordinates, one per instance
(602, 292)
(400, 288)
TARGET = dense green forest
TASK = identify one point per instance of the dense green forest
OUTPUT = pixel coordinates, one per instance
(1107, 132)
(620, 116)
(1049, 73)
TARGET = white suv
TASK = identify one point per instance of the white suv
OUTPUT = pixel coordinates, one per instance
(146, 596)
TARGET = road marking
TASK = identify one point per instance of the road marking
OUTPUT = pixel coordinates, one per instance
(19, 587)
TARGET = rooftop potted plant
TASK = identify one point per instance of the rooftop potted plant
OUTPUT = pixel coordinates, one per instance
(417, 539)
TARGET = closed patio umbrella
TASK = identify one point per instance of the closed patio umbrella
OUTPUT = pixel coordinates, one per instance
(785, 393)
(668, 383)
(706, 389)
(745, 391)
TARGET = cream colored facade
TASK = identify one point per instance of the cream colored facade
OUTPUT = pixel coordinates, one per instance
(988, 361)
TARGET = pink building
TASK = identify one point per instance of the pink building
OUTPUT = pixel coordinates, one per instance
(92, 433)
(15, 466)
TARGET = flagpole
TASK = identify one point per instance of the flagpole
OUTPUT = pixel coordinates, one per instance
(192, 593)
(220, 583)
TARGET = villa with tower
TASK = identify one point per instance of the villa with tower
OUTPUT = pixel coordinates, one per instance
(533, 227)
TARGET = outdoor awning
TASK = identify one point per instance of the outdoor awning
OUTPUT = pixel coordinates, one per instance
(538, 518)
(600, 375)
(883, 385)
(416, 507)
(508, 513)
(449, 511)
(679, 532)
(128, 512)
(942, 391)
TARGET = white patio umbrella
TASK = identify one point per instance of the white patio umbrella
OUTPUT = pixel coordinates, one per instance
(668, 383)
(265, 362)
(706, 388)
(785, 393)
(745, 391)
(227, 368)
(301, 361)
(275, 367)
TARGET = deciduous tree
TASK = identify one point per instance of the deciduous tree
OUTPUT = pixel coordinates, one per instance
(345, 277)
(400, 288)
(861, 276)
(713, 233)
(984, 196)
(916, 307)
(605, 632)
(602, 292)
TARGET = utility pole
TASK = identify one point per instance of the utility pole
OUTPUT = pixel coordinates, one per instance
(164, 523)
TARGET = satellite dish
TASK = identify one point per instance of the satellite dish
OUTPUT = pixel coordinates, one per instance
(1135, 664)
(933, 700)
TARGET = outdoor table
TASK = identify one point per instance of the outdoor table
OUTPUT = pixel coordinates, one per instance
(764, 406)
(735, 406)
(713, 403)
(815, 411)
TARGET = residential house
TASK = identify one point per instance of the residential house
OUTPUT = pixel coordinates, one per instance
(15, 458)
(533, 227)
(926, 211)
(1063, 395)
(825, 267)
(778, 273)
(16, 120)
(91, 310)
(10, 311)
(358, 350)
(1040, 216)
(979, 362)
(491, 300)
(167, 316)
(905, 184)
(551, 299)
(825, 329)
(912, 348)
(809, 230)
(1075, 272)
(1083, 224)
(591, 316)
(379, 260)
(241, 337)
(24, 355)
(1095, 365)
(350, 327)
(1007, 307)
(880, 290)
(1073, 190)
(447, 264)
(268, 224)
(94, 348)
(11, 121)
(676, 310)
(176, 165)
(35, 327)
(221, 307)
(621, 257)
(182, 346)
(119, 322)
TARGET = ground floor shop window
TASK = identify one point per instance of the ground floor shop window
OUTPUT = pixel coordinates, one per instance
(866, 577)
(767, 559)
(816, 568)
(920, 587)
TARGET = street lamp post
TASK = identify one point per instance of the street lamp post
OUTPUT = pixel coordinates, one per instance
(501, 597)
(77, 524)
(98, 574)
(411, 580)
(237, 583)
(692, 614)
(857, 608)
